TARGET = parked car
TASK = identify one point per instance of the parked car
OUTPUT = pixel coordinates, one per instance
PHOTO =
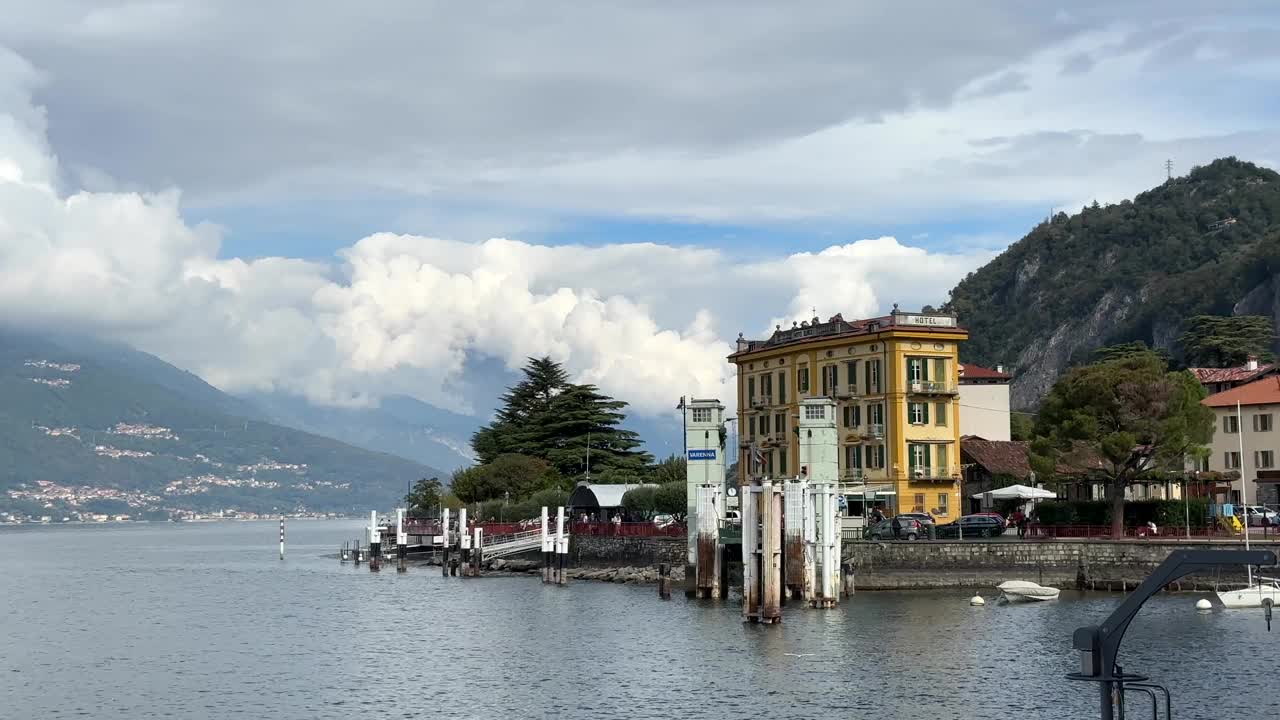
(1257, 513)
(911, 528)
(663, 520)
(733, 517)
(973, 526)
(995, 515)
(924, 518)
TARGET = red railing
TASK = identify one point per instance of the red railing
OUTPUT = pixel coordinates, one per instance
(633, 529)
(1103, 532)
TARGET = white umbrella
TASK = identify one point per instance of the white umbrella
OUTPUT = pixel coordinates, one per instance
(1018, 492)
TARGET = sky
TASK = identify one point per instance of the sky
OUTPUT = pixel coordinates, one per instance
(343, 202)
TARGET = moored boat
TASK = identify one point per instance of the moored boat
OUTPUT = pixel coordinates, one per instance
(1022, 590)
(1259, 591)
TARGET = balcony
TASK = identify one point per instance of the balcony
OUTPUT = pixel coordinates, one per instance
(934, 474)
(933, 387)
(853, 474)
(874, 431)
(761, 401)
(769, 440)
(848, 392)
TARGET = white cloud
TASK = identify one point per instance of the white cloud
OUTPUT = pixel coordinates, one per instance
(402, 314)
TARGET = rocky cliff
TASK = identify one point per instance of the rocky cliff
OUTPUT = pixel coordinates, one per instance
(1207, 243)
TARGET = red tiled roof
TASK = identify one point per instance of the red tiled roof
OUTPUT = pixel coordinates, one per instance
(1009, 457)
(1208, 376)
(969, 371)
(1259, 392)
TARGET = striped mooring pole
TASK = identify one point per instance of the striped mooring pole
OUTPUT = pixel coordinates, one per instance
(281, 538)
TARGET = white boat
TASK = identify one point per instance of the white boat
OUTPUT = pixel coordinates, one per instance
(1021, 590)
(1263, 588)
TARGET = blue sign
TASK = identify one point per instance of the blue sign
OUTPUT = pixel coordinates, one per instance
(702, 454)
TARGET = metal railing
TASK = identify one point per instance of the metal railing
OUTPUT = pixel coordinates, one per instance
(873, 430)
(925, 472)
(933, 387)
(627, 529)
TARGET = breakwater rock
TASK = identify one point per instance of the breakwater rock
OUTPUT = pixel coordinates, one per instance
(622, 574)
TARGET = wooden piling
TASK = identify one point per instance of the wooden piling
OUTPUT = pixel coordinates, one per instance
(664, 581)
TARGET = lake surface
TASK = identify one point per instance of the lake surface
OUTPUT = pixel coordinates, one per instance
(203, 621)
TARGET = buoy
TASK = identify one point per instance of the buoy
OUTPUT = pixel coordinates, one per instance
(1203, 604)
(977, 600)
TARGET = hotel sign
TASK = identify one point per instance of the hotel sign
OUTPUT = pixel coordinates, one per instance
(927, 320)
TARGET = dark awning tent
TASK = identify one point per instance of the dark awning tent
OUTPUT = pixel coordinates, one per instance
(587, 497)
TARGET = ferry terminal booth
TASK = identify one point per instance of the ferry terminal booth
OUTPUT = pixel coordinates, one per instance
(859, 499)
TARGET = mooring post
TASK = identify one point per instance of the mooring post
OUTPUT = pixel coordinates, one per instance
(375, 550)
(357, 553)
(562, 549)
(477, 552)
(281, 538)
(342, 552)
(664, 581)
(546, 548)
(402, 541)
(771, 551)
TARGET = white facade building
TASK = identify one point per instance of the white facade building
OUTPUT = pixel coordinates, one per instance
(984, 402)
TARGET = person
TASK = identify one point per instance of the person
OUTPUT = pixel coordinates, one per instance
(876, 515)
(1022, 524)
(897, 528)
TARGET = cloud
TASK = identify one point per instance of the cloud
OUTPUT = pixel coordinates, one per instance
(399, 313)
(744, 111)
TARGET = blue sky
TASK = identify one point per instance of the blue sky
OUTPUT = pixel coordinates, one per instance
(659, 187)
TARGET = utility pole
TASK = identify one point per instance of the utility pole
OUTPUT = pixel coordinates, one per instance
(1168, 169)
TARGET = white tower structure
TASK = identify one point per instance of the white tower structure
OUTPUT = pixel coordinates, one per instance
(819, 472)
(704, 437)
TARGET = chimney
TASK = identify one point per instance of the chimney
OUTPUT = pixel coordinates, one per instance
(1000, 369)
(1253, 363)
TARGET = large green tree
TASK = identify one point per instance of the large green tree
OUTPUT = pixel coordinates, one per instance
(583, 423)
(424, 498)
(1226, 341)
(516, 428)
(1132, 412)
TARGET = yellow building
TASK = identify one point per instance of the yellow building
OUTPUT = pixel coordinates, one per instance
(895, 380)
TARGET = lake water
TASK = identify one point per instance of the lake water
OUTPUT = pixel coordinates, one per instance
(202, 621)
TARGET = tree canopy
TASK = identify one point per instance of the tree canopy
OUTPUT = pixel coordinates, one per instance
(545, 416)
(1132, 412)
(509, 476)
(424, 498)
(1226, 341)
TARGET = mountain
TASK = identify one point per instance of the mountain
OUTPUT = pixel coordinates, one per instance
(1207, 243)
(102, 428)
(399, 425)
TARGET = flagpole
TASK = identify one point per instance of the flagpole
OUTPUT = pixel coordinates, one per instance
(1244, 487)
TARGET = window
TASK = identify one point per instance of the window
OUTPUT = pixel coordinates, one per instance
(830, 379)
(1262, 423)
(768, 463)
(1231, 461)
(782, 462)
(853, 457)
(780, 423)
(702, 415)
(764, 423)
(939, 371)
(917, 369)
(918, 413)
(766, 385)
(782, 387)
(845, 416)
(1200, 464)
(875, 457)
(814, 412)
(802, 381)
(943, 500)
(875, 414)
(1264, 458)
(940, 414)
(851, 376)
(918, 506)
(852, 415)
(942, 457)
(873, 377)
(1230, 424)
(751, 390)
(920, 455)
(751, 428)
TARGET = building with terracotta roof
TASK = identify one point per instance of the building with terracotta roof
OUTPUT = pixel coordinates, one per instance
(1217, 380)
(895, 381)
(984, 399)
(1254, 424)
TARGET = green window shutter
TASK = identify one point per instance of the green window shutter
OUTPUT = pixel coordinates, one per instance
(924, 412)
(782, 387)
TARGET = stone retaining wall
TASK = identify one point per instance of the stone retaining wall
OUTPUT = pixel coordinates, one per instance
(592, 551)
(1092, 564)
